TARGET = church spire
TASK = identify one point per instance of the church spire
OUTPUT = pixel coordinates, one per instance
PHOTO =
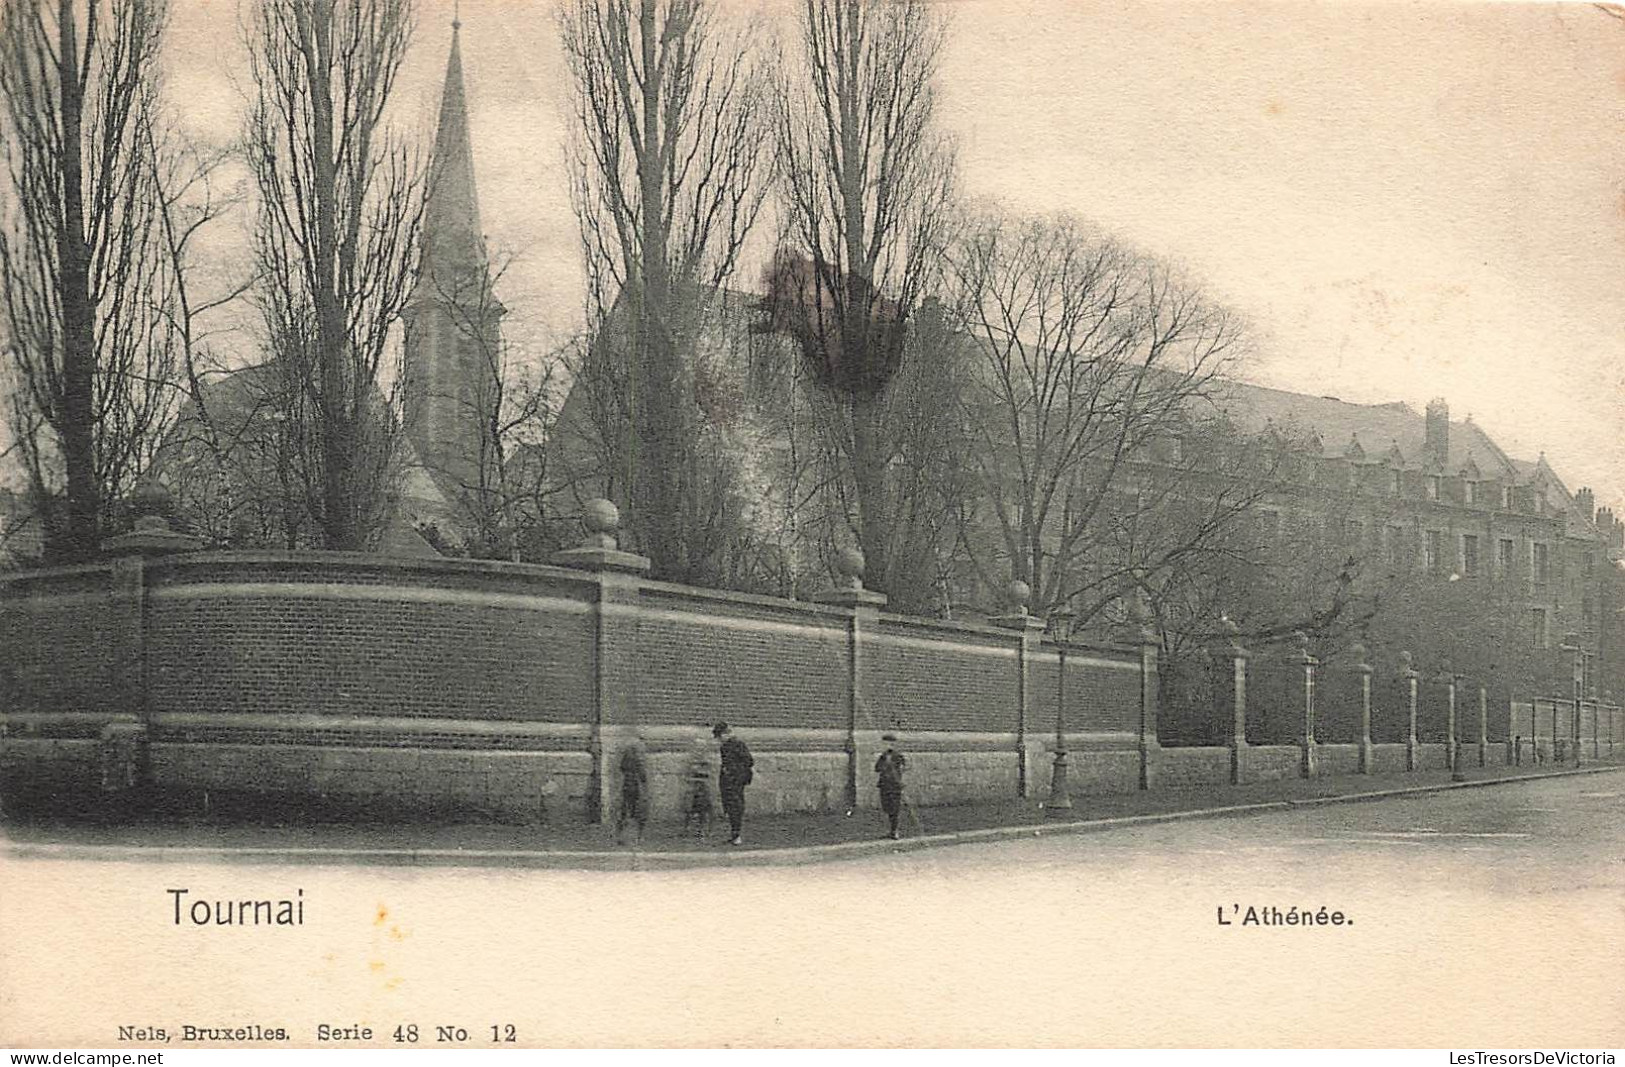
(451, 220)
(453, 327)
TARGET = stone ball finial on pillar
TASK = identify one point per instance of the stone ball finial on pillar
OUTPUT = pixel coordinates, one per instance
(603, 521)
(600, 550)
(1362, 656)
(153, 532)
(849, 591)
(1018, 594)
(1407, 663)
(1300, 647)
(849, 566)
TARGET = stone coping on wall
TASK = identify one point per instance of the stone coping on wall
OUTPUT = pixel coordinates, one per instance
(367, 561)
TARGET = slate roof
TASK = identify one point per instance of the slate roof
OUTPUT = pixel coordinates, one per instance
(1378, 428)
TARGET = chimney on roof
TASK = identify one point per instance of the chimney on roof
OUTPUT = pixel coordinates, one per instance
(1586, 502)
(1613, 532)
(1436, 443)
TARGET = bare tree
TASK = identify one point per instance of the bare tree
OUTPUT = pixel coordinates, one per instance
(1096, 456)
(336, 244)
(667, 186)
(866, 178)
(85, 286)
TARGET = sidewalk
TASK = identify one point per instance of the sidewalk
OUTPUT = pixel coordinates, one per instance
(769, 839)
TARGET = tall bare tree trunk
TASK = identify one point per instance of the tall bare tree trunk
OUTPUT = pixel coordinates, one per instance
(340, 219)
(668, 157)
(337, 407)
(78, 323)
(87, 299)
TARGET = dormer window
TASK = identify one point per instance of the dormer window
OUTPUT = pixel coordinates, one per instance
(1433, 486)
(1394, 482)
(1469, 490)
(1506, 498)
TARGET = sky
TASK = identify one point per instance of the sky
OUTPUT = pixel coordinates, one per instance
(1405, 200)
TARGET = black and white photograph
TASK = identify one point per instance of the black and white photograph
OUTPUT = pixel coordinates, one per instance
(675, 524)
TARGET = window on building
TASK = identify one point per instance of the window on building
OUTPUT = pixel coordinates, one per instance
(1506, 498)
(1503, 557)
(1538, 636)
(1540, 563)
(1395, 482)
(1469, 492)
(1392, 538)
(1433, 486)
(1432, 549)
(1469, 555)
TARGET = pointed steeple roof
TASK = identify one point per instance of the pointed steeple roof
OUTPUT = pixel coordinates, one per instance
(452, 237)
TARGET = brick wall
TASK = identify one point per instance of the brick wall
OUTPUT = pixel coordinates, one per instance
(470, 686)
(508, 689)
(750, 661)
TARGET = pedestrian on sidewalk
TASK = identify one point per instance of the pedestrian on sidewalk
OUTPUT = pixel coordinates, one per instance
(735, 775)
(697, 807)
(634, 790)
(889, 769)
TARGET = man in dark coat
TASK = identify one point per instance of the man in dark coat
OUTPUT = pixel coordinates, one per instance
(889, 769)
(734, 777)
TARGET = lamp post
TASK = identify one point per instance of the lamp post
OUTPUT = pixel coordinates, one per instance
(1060, 801)
(1571, 643)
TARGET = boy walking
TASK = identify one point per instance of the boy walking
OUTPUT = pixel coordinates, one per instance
(697, 798)
(735, 775)
(889, 768)
(634, 790)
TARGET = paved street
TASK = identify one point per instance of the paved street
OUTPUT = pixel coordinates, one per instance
(1481, 918)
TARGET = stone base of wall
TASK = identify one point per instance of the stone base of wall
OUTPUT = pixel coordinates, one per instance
(1388, 759)
(1187, 768)
(1337, 760)
(795, 771)
(1271, 763)
(1432, 756)
(49, 770)
(527, 786)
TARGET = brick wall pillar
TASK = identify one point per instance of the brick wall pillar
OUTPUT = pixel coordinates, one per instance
(124, 756)
(1451, 744)
(1030, 633)
(1308, 764)
(1368, 753)
(618, 578)
(1237, 656)
(863, 615)
(1150, 690)
(1410, 675)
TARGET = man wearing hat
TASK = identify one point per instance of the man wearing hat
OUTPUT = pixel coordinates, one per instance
(734, 777)
(889, 767)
